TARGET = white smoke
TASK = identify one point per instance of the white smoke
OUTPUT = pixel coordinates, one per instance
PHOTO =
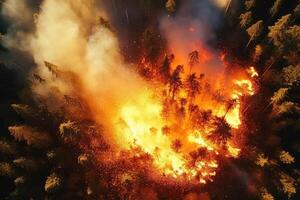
(68, 34)
(21, 17)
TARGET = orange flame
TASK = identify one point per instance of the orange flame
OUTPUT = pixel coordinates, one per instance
(141, 124)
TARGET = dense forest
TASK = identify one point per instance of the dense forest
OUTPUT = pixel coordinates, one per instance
(149, 99)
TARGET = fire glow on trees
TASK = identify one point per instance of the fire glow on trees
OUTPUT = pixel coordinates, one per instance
(183, 121)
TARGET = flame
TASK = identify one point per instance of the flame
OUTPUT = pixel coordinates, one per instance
(253, 73)
(141, 125)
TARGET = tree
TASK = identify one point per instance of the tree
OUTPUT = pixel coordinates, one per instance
(265, 195)
(291, 75)
(249, 4)
(288, 184)
(52, 68)
(291, 40)
(39, 78)
(193, 59)
(170, 6)
(165, 68)
(25, 163)
(30, 136)
(193, 86)
(255, 30)
(53, 183)
(286, 157)
(262, 160)
(175, 81)
(69, 132)
(286, 107)
(222, 131)
(276, 31)
(276, 6)
(245, 19)
(279, 96)
(258, 52)
(19, 181)
(104, 23)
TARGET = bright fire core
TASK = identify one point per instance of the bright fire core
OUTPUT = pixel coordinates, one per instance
(185, 135)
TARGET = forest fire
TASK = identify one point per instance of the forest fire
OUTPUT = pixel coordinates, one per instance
(149, 100)
(183, 112)
(189, 123)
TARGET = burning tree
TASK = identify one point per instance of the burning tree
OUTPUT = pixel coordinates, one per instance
(222, 131)
(193, 86)
(165, 69)
(175, 81)
(193, 59)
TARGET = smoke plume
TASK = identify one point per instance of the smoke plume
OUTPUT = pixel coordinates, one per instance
(68, 34)
(193, 28)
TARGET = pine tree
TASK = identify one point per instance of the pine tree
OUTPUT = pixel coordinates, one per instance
(193, 59)
(175, 81)
(262, 160)
(265, 195)
(245, 19)
(291, 75)
(276, 6)
(25, 163)
(222, 131)
(19, 181)
(258, 52)
(279, 96)
(276, 31)
(291, 39)
(69, 132)
(288, 184)
(286, 107)
(286, 157)
(53, 69)
(254, 31)
(249, 4)
(193, 86)
(30, 136)
(53, 183)
(170, 6)
(165, 69)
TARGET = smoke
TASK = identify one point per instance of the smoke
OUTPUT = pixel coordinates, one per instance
(193, 28)
(68, 34)
(20, 14)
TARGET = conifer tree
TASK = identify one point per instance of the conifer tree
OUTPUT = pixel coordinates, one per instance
(254, 31)
(245, 19)
(276, 6)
